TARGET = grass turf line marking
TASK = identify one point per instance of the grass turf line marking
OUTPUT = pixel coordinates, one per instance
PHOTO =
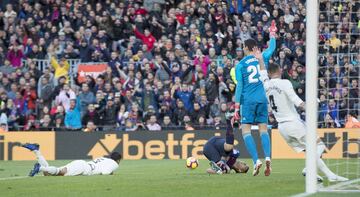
(302, 194)
(13, 177)
(340, 185)
(333, 188)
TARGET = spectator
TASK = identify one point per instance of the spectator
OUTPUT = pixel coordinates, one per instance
(7, 68)
(334, 41)
(167, 123)
(65, 96)
(187, 123)
(165, 56)
(352, 122)
(86, 98)
(73, 115)
(14, 55)
(91, 115)
(108, 113)
(29, 96)
(283, 61)
(45, 123)
(130, 126)
(45, 92)
(122, 116)
(61, 68)
(90, 127)
(179, 113)
(3, 123)
(212, 88)
(59, 123)
(152, 124)
(146, 38)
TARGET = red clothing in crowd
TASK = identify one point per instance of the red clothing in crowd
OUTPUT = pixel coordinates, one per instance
(141, 11)
(30, 97)
(147, 40)
(15, 57)
(180, 18)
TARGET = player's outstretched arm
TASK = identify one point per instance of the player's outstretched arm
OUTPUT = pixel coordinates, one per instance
(270, 50)
(263, 72)
(260, 58)
(272, 46)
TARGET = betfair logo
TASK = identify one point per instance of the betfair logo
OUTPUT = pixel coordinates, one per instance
(168, 147)
(104, 146)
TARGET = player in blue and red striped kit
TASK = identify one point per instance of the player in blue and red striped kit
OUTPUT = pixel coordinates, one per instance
(222, 154)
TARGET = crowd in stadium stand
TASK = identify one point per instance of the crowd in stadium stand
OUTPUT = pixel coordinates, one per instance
(169, 62)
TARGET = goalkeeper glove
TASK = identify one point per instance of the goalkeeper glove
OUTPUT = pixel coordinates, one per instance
(273, 29)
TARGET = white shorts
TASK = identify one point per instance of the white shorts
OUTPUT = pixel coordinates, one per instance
(294, 133)
(77, 167)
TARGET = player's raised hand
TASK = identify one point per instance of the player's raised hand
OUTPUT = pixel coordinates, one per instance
(273, 29)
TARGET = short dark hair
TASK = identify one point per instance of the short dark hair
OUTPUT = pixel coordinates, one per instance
(250, 44)
(116, 156)
(273, 68)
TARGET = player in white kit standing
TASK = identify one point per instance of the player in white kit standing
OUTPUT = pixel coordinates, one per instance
(99, 166)
(282, 100)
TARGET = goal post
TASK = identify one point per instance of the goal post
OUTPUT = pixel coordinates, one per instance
(312, 10)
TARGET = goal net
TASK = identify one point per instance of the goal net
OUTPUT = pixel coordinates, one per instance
(338, 91)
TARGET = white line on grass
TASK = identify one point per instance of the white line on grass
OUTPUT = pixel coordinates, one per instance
(333, 188)
(302, 195)
(340, 185)
(13, 177)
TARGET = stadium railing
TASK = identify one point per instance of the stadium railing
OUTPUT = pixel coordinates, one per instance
(108, 128)
(44, 63)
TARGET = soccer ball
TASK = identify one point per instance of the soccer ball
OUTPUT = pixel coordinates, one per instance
(192, 163)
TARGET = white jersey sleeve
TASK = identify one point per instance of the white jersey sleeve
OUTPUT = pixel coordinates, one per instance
(264, 78)
(103, 166)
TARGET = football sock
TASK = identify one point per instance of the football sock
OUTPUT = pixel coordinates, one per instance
(265, 142)
(250, 146)
(321, 165)
(229, 133)
(50, 169)
(42, 161)
(231, 161)
(320, 149)
(323, 168)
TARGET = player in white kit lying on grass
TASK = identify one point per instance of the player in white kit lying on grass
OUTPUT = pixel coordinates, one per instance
(99, 166)
(283, 99)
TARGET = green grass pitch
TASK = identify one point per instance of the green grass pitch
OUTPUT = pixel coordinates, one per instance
(155, 178)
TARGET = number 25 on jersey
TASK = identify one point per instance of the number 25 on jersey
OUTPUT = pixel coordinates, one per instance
(253, 70)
